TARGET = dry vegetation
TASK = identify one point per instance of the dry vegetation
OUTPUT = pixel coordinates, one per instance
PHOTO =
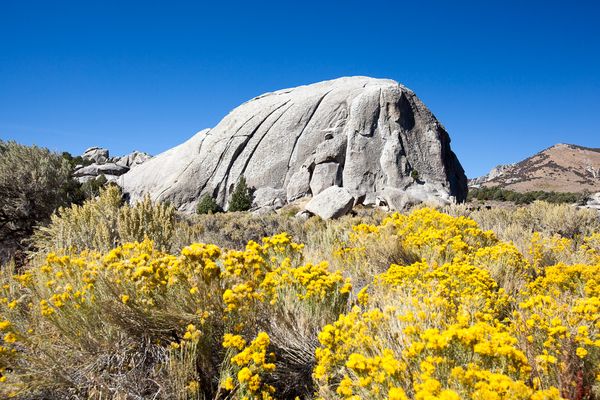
(126, 302)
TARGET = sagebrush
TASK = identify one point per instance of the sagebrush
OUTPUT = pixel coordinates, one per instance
(418, 306)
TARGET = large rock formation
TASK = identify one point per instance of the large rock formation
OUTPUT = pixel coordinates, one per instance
(363, 134)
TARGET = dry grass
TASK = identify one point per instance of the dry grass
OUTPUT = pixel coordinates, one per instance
(116, 348)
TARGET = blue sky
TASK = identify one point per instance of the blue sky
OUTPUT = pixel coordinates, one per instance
(506, 78)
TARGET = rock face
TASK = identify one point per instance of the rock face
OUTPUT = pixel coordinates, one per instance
(97, 169)
(360, 133)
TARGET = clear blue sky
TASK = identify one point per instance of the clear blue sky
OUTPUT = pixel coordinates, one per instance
(506, 78)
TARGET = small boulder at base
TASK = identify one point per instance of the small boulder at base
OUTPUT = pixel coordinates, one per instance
(267, 197)
(593, 202)
(331, 203)
(397, 199)
(303, 215)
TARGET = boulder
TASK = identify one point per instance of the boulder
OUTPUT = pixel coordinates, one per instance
(298, 185)
(593, 202)
(99, 169)
(399, 199)
(132, 159)
(333, 202)
(361, 133)
(96, 155)
(303, 215)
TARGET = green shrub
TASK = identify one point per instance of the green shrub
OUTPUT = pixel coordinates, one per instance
(33, 183)
(414, 174)
(92, 225)
(499, 194)
(207, 205)
(241, 198)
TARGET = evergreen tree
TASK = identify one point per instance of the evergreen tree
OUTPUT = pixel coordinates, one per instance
(207, 205)
(414, 174)
(241, 199)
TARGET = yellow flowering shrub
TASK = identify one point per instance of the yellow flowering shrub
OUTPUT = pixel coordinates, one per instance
(250, 366)
(558, 323)
(475, 318)
(422, 306)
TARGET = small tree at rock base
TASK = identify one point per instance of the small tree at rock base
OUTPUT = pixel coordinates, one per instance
(241, 199)
(207, 205)
(414, 174)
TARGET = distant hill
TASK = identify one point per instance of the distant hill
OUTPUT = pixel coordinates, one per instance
(560, 168)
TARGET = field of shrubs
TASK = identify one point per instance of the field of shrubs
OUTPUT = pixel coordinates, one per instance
(136, 302)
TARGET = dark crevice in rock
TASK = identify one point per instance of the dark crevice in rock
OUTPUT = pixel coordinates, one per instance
(407, 118)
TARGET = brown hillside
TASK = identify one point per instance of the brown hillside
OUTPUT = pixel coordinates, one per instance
(560, 168)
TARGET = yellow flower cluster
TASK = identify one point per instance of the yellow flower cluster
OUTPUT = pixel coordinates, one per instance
(249, 366)
(317, 281)
(438, 237)
(190, 298)
(473, 319)
(558, 322)
(451, 313)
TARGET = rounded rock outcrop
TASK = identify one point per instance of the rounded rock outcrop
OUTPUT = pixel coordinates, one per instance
(363, 134)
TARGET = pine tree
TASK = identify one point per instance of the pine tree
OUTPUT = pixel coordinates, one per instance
(415, 175)
(241, 199)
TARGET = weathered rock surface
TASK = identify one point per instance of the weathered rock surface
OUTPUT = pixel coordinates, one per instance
(268, 197)
(97, 169)
(360, 133)
(103, 164)
(96, 155)
(333, 202)
(132, 159)
(399, 199)
(593, 202)
(325, 175)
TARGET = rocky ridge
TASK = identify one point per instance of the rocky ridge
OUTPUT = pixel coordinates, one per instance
(98, 162)
(560, 168)
(372, 137)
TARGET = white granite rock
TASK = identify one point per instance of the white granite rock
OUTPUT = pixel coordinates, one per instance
(96, 155)
(376, 130)
(333, 202)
